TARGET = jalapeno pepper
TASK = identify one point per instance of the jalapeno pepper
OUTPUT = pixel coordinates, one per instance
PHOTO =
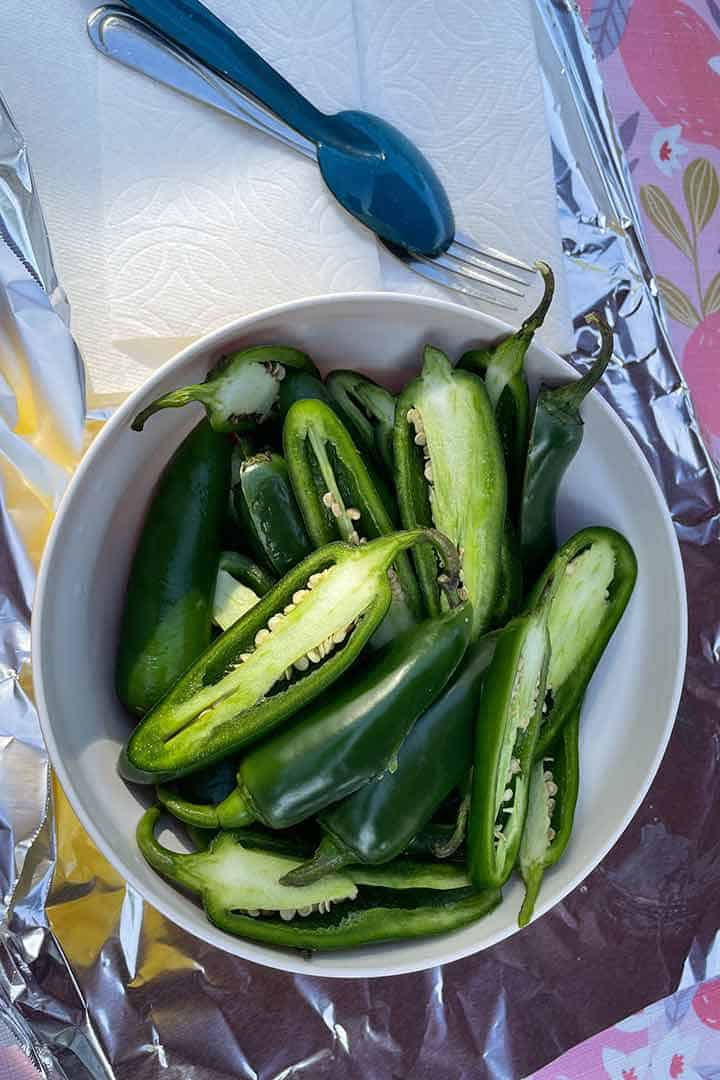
(510, 589)
(381, 818)
(168, 606)
(265, 506)
(348, 736)
(275, 659)
(338, 498)
(247, 572)
(557, 431)
(502, 367)
(450, 473)
(508, 719)
(240, 893)
(551, 810)
(302, 386)
(240, 391)
(235, 593)
(593, 576)
(368, 412)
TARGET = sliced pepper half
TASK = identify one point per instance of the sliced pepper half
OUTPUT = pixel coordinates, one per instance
(450, 473)
(276, 658)
(240, 391)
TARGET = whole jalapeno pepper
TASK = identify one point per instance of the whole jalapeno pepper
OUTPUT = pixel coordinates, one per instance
(502, 367)
(337, 497)
(302, 386)
(265, 507)
(557, 431)
(344, 738)
(368, 412)
(551, 810)
(508, 718)
(510, 588)
(380, 820)
(241, 390)
(239, 585)
(241, 895)
(275, 659)
(591, 579)
(450, 473)
(167, 621)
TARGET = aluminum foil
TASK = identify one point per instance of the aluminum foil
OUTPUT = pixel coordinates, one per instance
(95, 984)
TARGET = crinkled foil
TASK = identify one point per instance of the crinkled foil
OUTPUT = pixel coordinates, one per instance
(95, 984)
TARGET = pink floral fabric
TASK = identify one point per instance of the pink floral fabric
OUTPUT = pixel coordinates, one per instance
(675, 1039)
(660, 61)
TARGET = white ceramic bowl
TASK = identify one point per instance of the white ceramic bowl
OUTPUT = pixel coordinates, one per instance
(629, 710)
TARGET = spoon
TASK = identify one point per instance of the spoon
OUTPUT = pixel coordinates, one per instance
(371, 168)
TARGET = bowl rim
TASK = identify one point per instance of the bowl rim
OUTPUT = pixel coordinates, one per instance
(251, 951)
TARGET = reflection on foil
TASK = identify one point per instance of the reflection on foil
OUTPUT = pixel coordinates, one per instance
(95, 984)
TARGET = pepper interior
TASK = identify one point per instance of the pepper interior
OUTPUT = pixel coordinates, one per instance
(332, 600)
(511, 778)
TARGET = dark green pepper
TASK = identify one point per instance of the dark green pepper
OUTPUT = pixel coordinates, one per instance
(551, 810)
(557, 431)
(266, 508)
(247, 572)
(345, 738)
(241, 895)
(450, 473)
(368, 412)
(380, 820)
(302, 386)
(337, 497)
(508, 719)
(502, 367)
(241, 390)
(591, 579)
(307, 631)
(510, 590)
(168, 607)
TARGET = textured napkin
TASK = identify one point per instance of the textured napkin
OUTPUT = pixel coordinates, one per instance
(168, 219)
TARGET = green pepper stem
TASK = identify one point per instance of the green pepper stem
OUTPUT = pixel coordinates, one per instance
(234, 811)
(160, 858)
(204, 816)
(533, 881)
(174, 400)
(328, 858)
(448, 847)
(449, 580)
(535, 320)
(571, 396)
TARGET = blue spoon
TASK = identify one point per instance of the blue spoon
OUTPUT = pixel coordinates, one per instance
(371, 168)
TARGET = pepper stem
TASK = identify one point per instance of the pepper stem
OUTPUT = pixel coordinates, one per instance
(174, 400)
(449, 580)
(328, 858)
(453, 842)
(160, 858)
(234, 811)
(535, 320)
(571, 396)
(533, 881)
(204, 816)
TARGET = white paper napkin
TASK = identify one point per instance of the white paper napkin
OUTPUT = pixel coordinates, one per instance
(168, 219)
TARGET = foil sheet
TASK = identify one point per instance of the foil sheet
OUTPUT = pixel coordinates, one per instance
(95, 984)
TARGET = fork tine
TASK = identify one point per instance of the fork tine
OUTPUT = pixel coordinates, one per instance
(451, 280)
(463, 247)
(472, 270)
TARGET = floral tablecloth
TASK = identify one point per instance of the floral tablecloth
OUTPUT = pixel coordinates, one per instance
(660, 61)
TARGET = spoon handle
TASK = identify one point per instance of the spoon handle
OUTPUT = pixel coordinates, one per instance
(123, 36)
(191, 25)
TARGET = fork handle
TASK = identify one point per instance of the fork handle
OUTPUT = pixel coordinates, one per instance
(191, 25)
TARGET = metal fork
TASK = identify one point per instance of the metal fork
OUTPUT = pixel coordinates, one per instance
(481, 272)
